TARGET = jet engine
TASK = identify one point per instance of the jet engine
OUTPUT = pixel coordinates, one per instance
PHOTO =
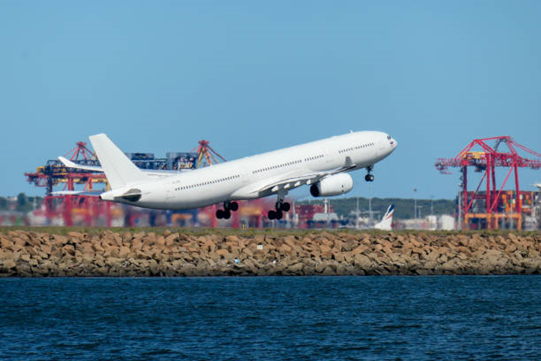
(332, 186)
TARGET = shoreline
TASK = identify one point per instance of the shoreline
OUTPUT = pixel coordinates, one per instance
(103, 253)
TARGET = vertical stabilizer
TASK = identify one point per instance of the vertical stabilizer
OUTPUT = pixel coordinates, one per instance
(386, 223)
(118, 169)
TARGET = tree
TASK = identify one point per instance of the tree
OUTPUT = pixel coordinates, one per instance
(22, 200)
(3, 203)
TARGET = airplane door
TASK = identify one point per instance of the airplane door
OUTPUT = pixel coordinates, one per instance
(170, 191)
(244, 176)
(329, 157)
(170, 194)
(380, 148)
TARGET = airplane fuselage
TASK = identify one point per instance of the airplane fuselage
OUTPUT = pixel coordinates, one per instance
(251, 177)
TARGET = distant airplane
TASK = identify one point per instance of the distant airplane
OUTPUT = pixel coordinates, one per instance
(386, 223)
(322, 165)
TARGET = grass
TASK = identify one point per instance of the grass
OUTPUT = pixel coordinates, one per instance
(224, 232)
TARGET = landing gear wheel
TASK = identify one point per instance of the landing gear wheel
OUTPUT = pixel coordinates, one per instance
(234, 206)
(369, 177)
(272, 215)
(279, 215)
(220, 213)
(283, 206)
(227, 214)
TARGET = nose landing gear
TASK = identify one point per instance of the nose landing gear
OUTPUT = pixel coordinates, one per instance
(369, 177)
(226, 212)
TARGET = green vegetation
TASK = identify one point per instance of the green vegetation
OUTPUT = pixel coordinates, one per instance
(249, 233)
(403, 207)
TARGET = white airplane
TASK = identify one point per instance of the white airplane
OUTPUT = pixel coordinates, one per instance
(322, 165)
(386, 223)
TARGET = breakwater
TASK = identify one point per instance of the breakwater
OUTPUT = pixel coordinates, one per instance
(115, 254)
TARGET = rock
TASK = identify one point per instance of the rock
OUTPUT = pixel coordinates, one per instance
(359, 249)
(124, 252)
(363, 262)
(296, 268)
(8, 265)
(68, 250)
(171, 239)
(25, 258)
(141, 254)
(77, 235)
(86, 248)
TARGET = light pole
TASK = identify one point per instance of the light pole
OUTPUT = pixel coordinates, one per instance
(415, 203)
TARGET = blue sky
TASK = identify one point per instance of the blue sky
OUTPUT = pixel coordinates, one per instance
(253, 76)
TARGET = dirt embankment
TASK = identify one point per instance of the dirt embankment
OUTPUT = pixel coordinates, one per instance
(35, 254)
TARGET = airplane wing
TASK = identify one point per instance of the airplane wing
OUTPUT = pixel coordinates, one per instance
(77, 193)
(151, 172)
(293, 180)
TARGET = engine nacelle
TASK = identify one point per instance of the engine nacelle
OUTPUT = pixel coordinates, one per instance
(332, 186)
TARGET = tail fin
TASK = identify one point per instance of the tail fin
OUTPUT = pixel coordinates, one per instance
(386, 223)
(118, 169)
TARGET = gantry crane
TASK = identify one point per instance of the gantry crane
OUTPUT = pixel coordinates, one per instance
(486, 160)
(206, 155)
(55, 173)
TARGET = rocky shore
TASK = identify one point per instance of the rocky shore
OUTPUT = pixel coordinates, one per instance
(37, 254)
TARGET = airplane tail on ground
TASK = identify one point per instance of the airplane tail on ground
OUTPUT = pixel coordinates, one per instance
(386, 224)
(118, 168)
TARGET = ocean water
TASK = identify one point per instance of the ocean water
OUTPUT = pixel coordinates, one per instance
(272, 318)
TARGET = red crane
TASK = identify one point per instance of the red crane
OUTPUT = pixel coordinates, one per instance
(486, 160)
(55, 173)
(206, 155)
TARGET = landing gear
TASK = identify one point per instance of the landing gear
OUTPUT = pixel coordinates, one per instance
(275, 215)
(369, 177)
(226, 212)
(223, 214)
(281, 207)
(233, 206)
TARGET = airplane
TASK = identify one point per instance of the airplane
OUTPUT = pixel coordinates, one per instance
(322, 165)
(386, 223)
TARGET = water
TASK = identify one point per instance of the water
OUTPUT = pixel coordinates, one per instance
(281, 318)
